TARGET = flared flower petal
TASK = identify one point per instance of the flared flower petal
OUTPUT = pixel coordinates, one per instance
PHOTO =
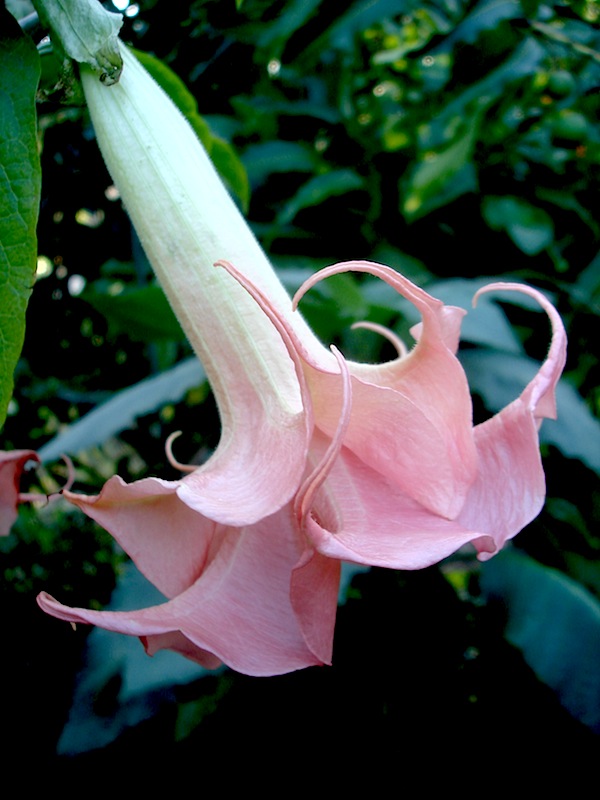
(169, 542)
(408, 423)
(359, 516)
(350, 512)
(510, 487)
(239, 610)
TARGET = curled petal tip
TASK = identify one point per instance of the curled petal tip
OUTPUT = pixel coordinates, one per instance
(34, 497)
(171, 458)
(70, 479)
(510, 286)
(539, 394)
(48, 603)
(70, 473)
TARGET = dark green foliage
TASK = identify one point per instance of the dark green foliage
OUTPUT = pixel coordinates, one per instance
(458, 142)
(19, 192)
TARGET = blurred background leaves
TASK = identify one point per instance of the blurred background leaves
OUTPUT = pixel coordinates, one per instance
(456, 141)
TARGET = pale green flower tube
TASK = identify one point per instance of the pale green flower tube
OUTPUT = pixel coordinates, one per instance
(187, 221)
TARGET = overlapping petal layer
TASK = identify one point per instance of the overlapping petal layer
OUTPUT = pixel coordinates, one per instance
(378, 509)
(360, 516)
(510, 487)
(239, 609)
(412, 422)
(406, 422)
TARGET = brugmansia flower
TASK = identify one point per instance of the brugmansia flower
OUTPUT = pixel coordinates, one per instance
(12, 464)
(319, 460)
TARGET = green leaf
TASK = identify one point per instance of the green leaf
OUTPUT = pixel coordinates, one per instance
(356, 18)
(223, 156)
(265, 158)
(568, 202)
(318, 189)
(479, 96)
(586, 289)
(259, 110)
(530, 228)
(86, 32)
(441, 177)
(19, 193)
(121, 411)
(485, 16)
(555, 622)
(191, 713)
(116, 689)
(143, 313)
(274, 36)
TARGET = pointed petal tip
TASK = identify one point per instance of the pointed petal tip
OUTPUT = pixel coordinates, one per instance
(539, 394)
(55, 609)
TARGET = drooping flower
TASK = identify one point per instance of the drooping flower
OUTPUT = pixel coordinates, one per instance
(12, 464)
(319, 460)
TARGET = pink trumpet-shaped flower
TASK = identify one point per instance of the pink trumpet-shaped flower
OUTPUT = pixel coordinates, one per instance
(320, 460)
(12, 464)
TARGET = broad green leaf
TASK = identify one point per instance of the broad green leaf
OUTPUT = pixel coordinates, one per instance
(260, 110)
(584, 570)
(143, 313)
(586, 289)
(480, 95)
(555, 623)
(358, 16)
(87, 33)
(122, 410)
(19, 193)
(19, 8)
(274, 36)
(190, 714)
(343, 294)
(501, 377)
(265, 158)
(568, 202)
(318, 189)
(412, 268)
(223, 156)
(118, 670)
(530, 228)
(485, 16)
(441, 177)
